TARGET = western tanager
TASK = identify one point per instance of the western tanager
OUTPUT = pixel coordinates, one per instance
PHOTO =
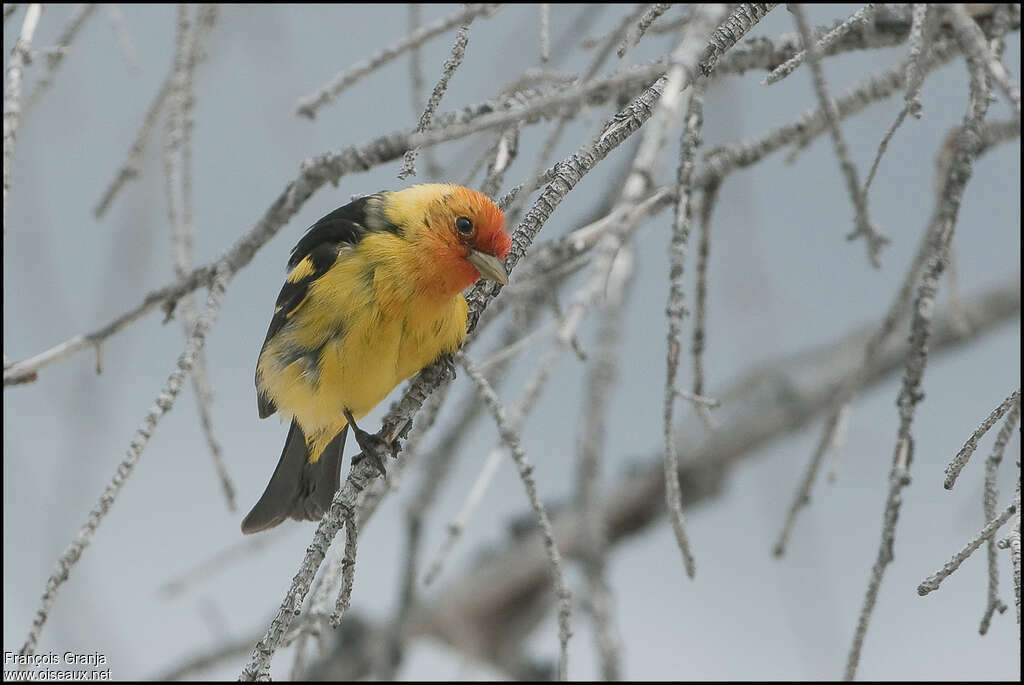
(373, 296)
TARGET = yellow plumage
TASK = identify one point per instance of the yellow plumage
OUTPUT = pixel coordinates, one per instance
(390, 330)
(373, 296)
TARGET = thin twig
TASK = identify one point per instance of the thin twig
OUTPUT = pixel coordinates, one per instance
(943, 222)
(458, 53)
(882, 148)
(864, 227)
(131, 168)
(600, 380)
(178, 167)
(862, 15)
(803, 493)
(309, 104)
(989, 500)
(55, 58)
(637, 32)
(932, 582)
(164, 402)
(20, 56)
(545, 32)
(693, 119)
(962, 457)
(511, 439)
(708, 200)
(123, 35)
(913, 74)
(348, 571)
(1012, 543)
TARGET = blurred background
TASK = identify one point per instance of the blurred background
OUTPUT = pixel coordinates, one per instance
(782, 278)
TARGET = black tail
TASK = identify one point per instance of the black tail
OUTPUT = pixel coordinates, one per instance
(300, 489)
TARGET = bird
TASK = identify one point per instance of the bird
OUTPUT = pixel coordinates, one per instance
(373, 295)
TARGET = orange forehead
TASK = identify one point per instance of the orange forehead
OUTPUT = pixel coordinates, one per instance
(486, 216)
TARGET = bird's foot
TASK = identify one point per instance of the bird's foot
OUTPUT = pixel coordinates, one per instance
(373, 446)
(447, 362)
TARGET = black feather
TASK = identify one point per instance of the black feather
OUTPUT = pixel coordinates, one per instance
(299, 489)
(346, 225)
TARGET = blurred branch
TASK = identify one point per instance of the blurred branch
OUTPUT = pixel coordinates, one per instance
(55, 58)
(777, 397)
(968, 145)
(309, 104)
(163, 403)
(20, 56)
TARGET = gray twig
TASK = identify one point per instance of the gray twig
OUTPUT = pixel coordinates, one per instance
(707, 206)
(864, 227)
(545, 31)
(123, 35)
(966, 149)
(164, 401)
(132, 166)
(55, 58)
(933, 581)
(637, 32)
(961, 458)
(348, 571)
(20, 56)
(743, 18)
(990, 498)
(309, 104)
(864, 14)
(178, 168)
(458, 53)
(511, 439)
(913, 74)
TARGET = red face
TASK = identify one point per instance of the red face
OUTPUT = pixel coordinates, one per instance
(471, 231)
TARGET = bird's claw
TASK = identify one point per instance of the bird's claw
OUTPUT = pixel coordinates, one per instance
(372, 446)
(447, 367)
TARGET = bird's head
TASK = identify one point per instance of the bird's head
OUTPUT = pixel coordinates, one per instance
(461, 237)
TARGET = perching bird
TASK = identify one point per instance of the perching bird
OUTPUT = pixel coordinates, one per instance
(374, 295)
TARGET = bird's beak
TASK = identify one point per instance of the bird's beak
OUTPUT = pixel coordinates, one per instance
(489, 266)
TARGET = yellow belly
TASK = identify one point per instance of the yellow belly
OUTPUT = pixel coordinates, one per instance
(348, 347)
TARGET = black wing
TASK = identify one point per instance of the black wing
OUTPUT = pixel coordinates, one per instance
(344, 226)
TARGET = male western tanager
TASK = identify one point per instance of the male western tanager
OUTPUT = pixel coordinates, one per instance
(373, 296)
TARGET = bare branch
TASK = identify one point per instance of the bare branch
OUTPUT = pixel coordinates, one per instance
(12, 90)
(511, 439)
(968, 145)
(123, 35)
(637, 32)
(736, 25)
(864, 14)
(309, 105)
(933, 581)
(545, 31)
(991, 497)
(450, 65)
(472, 612)
(913, 75)
(55, 58)
(164, 402)
(960, 460)
(864, 227)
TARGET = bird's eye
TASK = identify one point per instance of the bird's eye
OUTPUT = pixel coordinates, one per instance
(465, 227)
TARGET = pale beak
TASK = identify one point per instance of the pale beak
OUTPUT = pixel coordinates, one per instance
(489, 266)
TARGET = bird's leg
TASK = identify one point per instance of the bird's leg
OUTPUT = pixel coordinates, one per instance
(373, 446)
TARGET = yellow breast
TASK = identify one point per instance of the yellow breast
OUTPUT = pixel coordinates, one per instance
(360, 332)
